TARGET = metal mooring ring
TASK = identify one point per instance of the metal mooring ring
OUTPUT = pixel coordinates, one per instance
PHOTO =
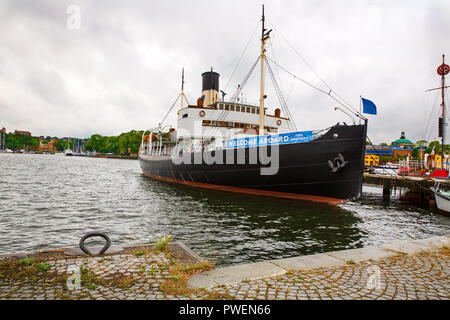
(95, 234)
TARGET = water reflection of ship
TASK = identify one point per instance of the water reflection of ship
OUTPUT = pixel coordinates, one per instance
(250, 228)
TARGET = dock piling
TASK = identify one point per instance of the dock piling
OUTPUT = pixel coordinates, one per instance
(386, 191)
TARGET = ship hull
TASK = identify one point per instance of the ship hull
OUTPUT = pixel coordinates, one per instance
(329, 167)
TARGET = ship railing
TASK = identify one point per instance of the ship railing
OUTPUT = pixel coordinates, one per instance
(158, 147)
(420, 164)
(143, 149)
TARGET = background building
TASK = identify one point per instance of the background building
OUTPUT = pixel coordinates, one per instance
(398, 148)
(28, 133)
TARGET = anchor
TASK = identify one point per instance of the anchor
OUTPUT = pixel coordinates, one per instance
(337, 163)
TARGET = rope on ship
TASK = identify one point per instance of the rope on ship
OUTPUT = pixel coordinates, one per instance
(224, 113)
(242, 55)
(168, 112)
(222, 116)
(281, 99)
(312, 69)
(241, 86)
(299, 55)
(329, 93)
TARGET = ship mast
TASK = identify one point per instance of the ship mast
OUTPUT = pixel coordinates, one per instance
(442, 70)
(264, 38)
(182, 89)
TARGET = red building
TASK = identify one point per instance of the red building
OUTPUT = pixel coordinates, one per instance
(28, 133)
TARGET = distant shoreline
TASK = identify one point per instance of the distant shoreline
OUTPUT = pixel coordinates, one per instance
(114, 156)
(101, 155)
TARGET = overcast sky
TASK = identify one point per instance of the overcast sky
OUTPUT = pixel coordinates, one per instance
(121, 69)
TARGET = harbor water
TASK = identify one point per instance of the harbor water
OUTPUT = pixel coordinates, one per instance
(51, 201)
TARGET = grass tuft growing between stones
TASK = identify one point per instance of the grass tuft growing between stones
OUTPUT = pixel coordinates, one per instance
(44, 266)
(139, 253)
(27, 261)
(28, 270)
(177, 282)
(163, 242)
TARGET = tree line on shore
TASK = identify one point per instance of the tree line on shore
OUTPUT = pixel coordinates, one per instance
(20, 141)
(125, 143)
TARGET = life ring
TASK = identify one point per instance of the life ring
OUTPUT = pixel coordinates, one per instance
(201, 113)
(278, 122)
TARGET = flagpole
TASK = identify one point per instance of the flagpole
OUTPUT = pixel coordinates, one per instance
(360, 110)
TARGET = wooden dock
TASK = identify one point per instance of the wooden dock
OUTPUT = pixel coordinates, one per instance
(417, 185)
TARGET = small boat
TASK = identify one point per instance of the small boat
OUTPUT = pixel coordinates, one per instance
(442, 198)
(68, 151)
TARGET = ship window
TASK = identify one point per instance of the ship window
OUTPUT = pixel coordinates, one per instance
(248, 109)
(232, 108)
(257, 111)
(253, 110)
(227, 107)
(221, 106)
(185, 115)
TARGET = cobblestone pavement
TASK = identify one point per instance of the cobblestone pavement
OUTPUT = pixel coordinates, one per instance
(130, 276)
(421, 276)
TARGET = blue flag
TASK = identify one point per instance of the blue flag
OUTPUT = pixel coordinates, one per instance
(369, 107)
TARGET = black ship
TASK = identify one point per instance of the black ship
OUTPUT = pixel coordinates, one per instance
(238, 147)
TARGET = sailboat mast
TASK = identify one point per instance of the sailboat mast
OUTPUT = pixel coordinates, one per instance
(262, 59)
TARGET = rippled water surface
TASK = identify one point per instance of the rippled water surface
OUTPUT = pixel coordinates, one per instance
(50, 201)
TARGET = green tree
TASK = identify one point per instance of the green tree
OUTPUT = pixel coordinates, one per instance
(95, 143)
(112, 145)
(17, 141)
(415, 153)
(447, 148)
(421, 143)
(124, 143)
(59, 144)
(434, 145)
